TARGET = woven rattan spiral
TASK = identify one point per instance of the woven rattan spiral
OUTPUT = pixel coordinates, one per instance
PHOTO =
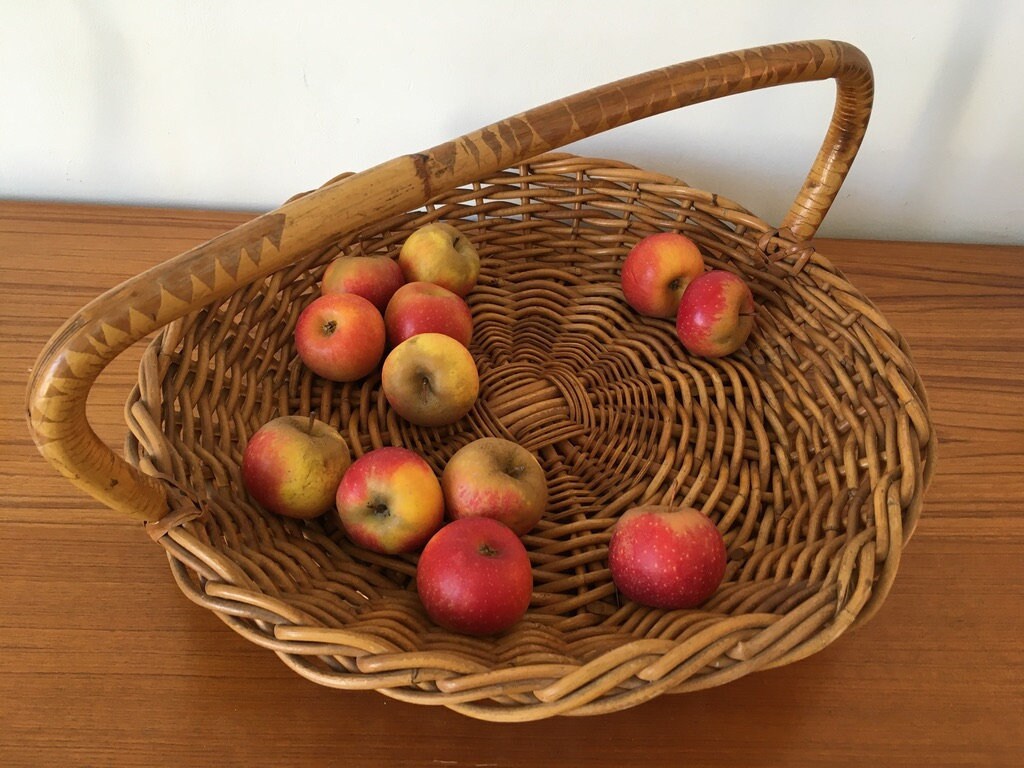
(794, 446)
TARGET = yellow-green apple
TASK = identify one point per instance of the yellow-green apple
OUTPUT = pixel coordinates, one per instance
(439, 253)
(375, 278)
(666, 557)
(292, 466)
(657, 270)
(340, 336)
(423, 307)
(716, 314)
(474, 577)
(496, 478)
(390, 501)
(430, 380)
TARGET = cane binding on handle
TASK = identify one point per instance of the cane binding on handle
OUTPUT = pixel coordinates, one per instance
(82, 348)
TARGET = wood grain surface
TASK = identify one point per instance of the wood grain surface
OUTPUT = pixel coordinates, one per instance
(104, 662)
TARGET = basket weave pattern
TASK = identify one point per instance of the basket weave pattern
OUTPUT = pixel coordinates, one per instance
(810, 448)
(794, 446)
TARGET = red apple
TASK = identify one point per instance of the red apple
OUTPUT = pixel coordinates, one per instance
(474, 577)
(423, 307)
(666, 557)
(657, 271)
(292, 466)
(430, 380)
(375, 278)
(496, 478)
(340, 336)
(716, 314)
(390, 501)
(439, 253)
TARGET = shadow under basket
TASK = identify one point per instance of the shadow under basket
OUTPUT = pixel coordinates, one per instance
(810, 448)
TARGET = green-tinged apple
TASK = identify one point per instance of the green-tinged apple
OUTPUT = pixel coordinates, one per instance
(666, 557)
(716, 314)
(496, 478)
(430, 380)
(474, 577)
(375, 278)
(340, 336)
(390, 501)
(657, 270)
(439, 253)
(292, 466)
(423, 307)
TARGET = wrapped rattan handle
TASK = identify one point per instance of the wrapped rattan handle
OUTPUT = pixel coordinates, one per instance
(82, 348)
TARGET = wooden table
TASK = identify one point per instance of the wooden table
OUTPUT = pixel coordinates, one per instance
(104, 661)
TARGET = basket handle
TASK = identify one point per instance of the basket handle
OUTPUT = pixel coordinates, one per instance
(70, 363)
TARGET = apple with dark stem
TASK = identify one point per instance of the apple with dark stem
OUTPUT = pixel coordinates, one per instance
(439, 253)
(292, 466)
(430, 380)
(340, 336)
(474, 577)
(496, 478)
(390, 501)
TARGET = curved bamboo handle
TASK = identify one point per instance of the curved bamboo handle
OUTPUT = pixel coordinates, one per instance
(82, 348)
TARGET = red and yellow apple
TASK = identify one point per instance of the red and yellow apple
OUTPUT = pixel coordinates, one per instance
(292, 466)
(496, 478)
(390, 501)
(430, 380)
(716, 314)
(439, 253)
(474, 577)
(666, 557)
(657, 270)
(375, 278)
(423, 307)
(340, 336)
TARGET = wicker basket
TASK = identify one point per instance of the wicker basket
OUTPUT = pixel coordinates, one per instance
(810, 448)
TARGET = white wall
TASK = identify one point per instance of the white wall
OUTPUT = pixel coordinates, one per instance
(241, 104)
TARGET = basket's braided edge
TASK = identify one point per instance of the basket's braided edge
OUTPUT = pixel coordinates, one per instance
(811, 449)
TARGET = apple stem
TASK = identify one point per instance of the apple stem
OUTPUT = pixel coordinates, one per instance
(312, 423)
(487, 550)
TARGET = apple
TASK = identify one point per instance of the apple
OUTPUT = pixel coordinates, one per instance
(340, 336)
(430, 380)
(716, 314)
(390, 501)
(439, 253)
(657, 270)
(375, 278)
(474, 577)
(423, 307)
(666, 557)
(292, 466)
(496, 478)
